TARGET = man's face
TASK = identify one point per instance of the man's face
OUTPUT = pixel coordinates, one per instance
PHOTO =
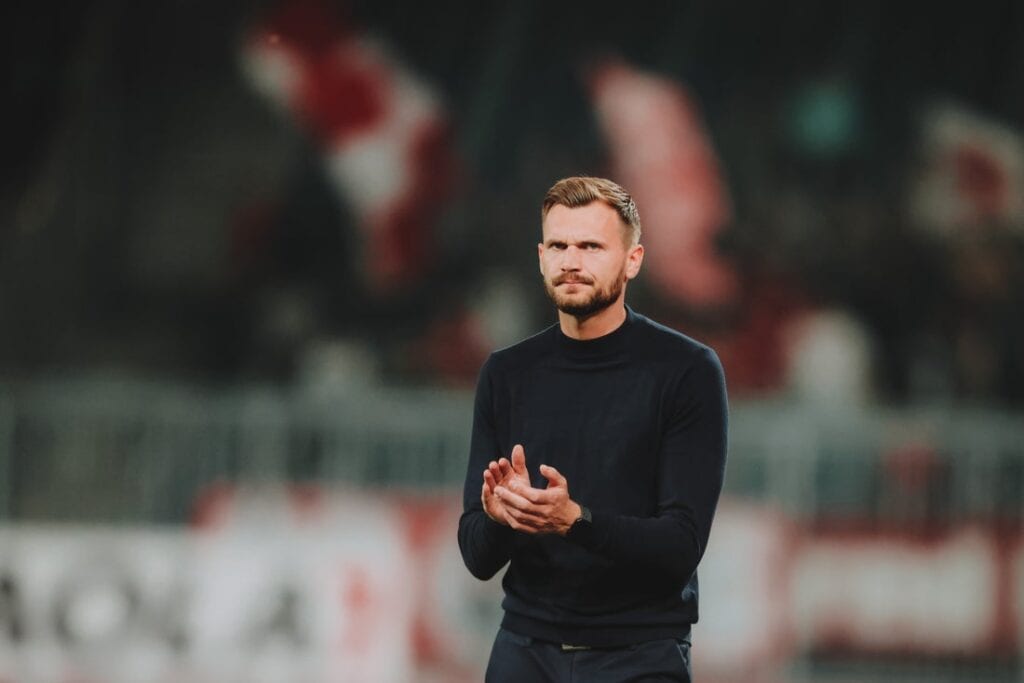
(585, 258)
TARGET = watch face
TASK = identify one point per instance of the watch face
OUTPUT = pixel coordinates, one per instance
(583, 521)
(585, 515)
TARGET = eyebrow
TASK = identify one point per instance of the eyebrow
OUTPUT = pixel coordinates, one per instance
(579, 243)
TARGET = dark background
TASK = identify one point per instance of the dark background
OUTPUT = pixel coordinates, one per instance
(155, 207)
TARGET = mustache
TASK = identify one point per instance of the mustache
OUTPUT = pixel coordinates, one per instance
(571, 278)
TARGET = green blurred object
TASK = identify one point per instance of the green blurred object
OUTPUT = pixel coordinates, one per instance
(824, 118)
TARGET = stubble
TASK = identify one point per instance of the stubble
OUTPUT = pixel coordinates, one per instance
(600, 297)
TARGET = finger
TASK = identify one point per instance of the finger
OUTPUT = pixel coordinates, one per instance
(511, 499)
(493, 507)
(526, 518)
(535, 496)
(489, 481)
(512, 521)
(504, 468)
(519, 526)
(553, 476)
(495, 471)
(485, 499)
(519, 459)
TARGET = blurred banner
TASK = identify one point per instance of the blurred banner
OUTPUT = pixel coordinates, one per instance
(335, 585)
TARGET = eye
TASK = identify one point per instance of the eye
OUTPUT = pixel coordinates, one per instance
(557, 246)
(591, 246)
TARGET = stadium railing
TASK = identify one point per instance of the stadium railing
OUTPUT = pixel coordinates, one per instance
(127, 451)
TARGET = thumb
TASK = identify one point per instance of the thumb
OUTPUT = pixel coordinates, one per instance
(519, 459)
(553, 476)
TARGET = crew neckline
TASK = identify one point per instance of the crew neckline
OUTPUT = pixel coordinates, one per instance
(613, 341)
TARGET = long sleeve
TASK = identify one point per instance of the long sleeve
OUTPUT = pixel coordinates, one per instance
(691, 471)
(636, 422)
(484, 543)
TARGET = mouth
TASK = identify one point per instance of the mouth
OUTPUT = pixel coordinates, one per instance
(571, 281)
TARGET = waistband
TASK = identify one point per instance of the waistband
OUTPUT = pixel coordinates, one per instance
(593, 637)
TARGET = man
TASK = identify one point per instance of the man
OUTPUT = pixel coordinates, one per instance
(615, 433)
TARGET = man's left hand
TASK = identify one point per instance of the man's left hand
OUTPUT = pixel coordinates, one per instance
(540, 511)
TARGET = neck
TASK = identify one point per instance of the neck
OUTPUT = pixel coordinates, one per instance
(596, 325)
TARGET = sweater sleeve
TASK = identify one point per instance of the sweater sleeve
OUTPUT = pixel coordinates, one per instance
(691, 471)
(485, 544)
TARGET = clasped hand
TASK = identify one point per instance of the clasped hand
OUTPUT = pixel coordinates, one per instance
(509, 499)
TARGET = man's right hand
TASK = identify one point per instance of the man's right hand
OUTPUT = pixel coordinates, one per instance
(503, 473)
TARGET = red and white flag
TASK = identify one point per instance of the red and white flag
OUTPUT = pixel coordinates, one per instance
(972, 173)
(381, 128)
(661, 152)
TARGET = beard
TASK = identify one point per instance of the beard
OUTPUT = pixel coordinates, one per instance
(599, 299)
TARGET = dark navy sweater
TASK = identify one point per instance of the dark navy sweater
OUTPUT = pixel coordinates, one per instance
(636, 421)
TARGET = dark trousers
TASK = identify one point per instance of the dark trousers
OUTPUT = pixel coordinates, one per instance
(521, 659)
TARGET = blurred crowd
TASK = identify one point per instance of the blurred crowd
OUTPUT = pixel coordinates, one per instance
(341, 193)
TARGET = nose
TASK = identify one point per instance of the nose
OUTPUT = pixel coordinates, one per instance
(570, 259)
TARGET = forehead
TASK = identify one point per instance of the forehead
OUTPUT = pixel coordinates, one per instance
(596, 221)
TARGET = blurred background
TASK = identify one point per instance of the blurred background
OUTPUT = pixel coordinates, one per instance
(252, 256)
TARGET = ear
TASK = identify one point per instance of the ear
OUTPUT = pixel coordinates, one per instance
(633, 261)
(540, 256)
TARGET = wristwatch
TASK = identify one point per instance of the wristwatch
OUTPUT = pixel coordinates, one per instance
(582, 522)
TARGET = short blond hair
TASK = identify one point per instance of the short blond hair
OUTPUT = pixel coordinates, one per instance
(579, 191)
